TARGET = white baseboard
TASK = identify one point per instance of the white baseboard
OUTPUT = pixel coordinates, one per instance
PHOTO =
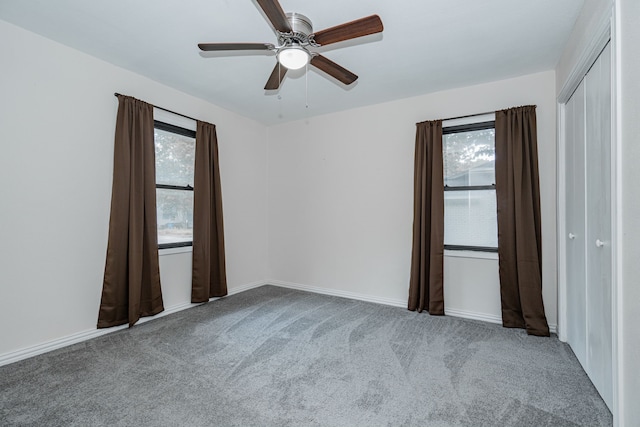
(242, 288)
(472, 315)
(27, 352)
(390, 301)
(339, 293)
(490, 318)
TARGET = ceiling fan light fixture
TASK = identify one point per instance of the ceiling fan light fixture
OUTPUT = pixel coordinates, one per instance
(293, 57)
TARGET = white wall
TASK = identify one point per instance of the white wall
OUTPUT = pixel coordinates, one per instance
(335, 192)
(628, 36)
(341, 197)
(57, 121)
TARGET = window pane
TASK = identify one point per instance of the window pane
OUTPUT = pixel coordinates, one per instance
(175, 156)
(469, 158)
(470, 218)
(175, 215)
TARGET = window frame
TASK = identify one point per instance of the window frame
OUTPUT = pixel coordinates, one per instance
(167, 127)
(488, 124)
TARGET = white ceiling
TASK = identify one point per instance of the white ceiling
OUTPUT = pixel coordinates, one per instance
(426, 46)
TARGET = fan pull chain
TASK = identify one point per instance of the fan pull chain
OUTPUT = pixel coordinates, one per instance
(306, 86)
(279, 96)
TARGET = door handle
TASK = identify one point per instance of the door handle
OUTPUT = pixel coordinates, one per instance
(572, 236)
(599, 243)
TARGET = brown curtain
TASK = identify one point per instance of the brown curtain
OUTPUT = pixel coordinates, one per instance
(131, 287)
(425, 288)
(519, 233)
(209, 273)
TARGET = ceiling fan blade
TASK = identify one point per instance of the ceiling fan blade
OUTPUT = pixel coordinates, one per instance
(234, 46)
(333, 69)
(276, 15)
(276, 77)
(350, 30)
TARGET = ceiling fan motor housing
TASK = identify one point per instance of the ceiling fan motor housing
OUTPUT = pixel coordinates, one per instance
(301, 28)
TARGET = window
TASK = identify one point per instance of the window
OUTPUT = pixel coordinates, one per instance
(175, 154)
(470, 212)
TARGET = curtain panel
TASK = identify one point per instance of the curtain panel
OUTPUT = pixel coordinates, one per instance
(427, 256)
(131, 286)
(519, 230)
(209, 271)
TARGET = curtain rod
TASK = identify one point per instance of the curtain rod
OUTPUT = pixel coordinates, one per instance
(165, 109)
(476, 114)
(468, 115)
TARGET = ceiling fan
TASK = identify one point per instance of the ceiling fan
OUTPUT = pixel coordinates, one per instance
(296, 40)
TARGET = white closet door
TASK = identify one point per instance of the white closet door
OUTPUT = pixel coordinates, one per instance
(575, 218)
(598, 238)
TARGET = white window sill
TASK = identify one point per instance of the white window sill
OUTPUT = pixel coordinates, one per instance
(173, 251)
(471, 254)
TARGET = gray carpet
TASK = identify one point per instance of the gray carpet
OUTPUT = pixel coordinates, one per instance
(279, 357)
